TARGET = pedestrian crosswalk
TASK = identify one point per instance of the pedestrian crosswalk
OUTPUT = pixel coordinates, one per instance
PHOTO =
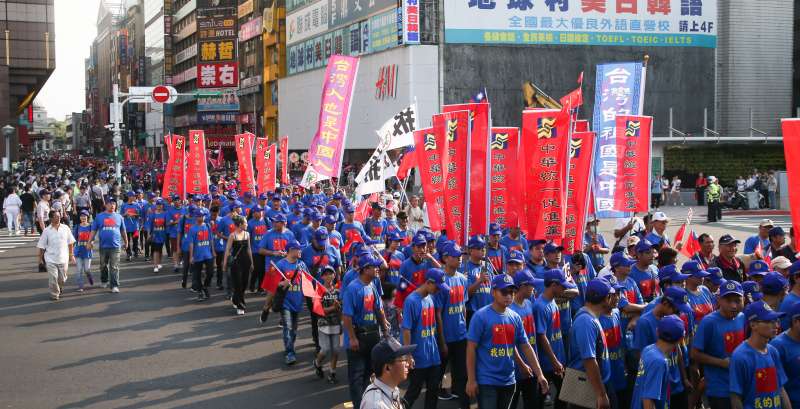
(750, 223)
(16, 241)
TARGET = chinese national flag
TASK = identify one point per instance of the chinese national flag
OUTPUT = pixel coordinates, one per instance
(557, 320)
(732, 340)
(529, 325)
(766, 380)
(363, 208)
(503, 334)
(271, 280)
(613, 336)
(315, 293)
(428, 317)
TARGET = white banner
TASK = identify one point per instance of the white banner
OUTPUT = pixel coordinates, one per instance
(399, 130)
(373, 175)
(311, 177)
(307, 22)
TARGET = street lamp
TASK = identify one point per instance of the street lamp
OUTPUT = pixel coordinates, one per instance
(8, 130)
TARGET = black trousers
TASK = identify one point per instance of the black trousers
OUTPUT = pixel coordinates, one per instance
(719, 403)
(531, 396)
(701, 195)
(679, 400)
(556, 381)
(714, 211)
(186, 267)
(239, 278)
(198, 283)
(259, 267)
(419, 377)
(219, 268)
(133, 244)
(457, 358)
(655, 198)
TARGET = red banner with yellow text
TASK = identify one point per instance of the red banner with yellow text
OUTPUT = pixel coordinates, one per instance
(581, 157)
(173, 177)
(632, 189)
(244, 149)
(284, 142)
(454, 128)
(429, 150)
(791, 149)
(261, 147)
(480, 126)
(266, 173)
(506, 185)
(197, 168)
(545, 150)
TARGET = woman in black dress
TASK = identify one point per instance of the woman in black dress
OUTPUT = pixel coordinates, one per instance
(239, 259)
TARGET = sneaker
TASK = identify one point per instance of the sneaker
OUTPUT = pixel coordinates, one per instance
(290, 359)
(332, 378)
(80, 290)
(201, 297)
(53, 298)
(445, 395)
(239, 311)
(183, 284)
(317, 369)
(206, 295)
(114, 290)
(263, 318)
(155, 269)
(159, 266)
(128, 258)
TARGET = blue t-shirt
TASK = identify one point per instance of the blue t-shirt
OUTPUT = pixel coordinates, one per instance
(497, 256)
(200, 239)
(156, 224)
(294, 294)
(174, 218)
(702, 304)
(613, 330)
(757, 377)
(374, 228)
(789, 351)
(414, 272)
(751, 244)
(786, 304)
(257, 230)
(361, 303)
(581, 279)
(419, 318)
(298, 228)
(597, 258)
(587, 341)
(83, 235)
(496, 336)
(519, 244)
(647, 281)
(291, 220)
(352, 275)
(652, 379)
(315, 259)
(719, 337)
(108, 225)
(547, 319)
(185, 226)
(350, 230)
(453, 306)
(525, 312)
(645, 335)
(394, 259)
(483, 294)
(275, 241)
(131, 213)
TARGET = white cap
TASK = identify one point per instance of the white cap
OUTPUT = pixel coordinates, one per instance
(660, 217)
(766, 223)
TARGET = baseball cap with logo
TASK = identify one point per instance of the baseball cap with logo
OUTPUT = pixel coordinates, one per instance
(515, 256)
(451, 249)
(752, 289)
(758, 268)
(552, 248)
(557, 275)
(670, 328)
(773, 283)
(619, 260)
(766, 223)
(502, 281)
(761, 311)
(321, 234)
(728, 239)
(715, 275)
(660, 217)
(436, 275)
(598, 289)
(670, 273)
(387, 350)
(730, 287)
(776, 231)
(476, 242)
(525, 277)
(494, 229)
(694, 269)
(679, 298)
(644, 246)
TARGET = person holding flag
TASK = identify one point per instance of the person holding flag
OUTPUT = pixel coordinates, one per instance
(131, 213)
(330, 326)
(522, 305)
(452, 321)
(757, 377)
(273, 248)
(496, 252)
(413, 269)
(290, 269)
(479, 273)
(317, 255)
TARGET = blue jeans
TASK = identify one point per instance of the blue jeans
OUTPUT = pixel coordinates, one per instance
(495, 397)
(359, 369)
(109, 264)
(289, 324)
(773, 200)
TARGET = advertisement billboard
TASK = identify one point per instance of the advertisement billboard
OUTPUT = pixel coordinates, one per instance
(307, 22)
(670, 23)
(228, 101)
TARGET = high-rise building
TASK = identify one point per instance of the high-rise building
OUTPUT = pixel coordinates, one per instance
(27, 59)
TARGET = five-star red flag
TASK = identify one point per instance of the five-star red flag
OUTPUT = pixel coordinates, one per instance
(766, 380)
(732, 339)
(503, 334)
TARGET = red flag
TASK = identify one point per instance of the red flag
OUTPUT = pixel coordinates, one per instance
(454, 128)
(145, 156)
(430, 148)
(197, 170)
(679, 234)
(581, 125)
(271, 280)
(545, 150)
(127, 154)
(266, 173)
(261, 148)
(503, 334)
(220, 157)
(581, 152)
(480, 130)
(173, 178)
(632, 190)
(284, 142)
(244, 149)
(733, 339)
(691, 246)
(407, 162)
(791, 150)
(315, 293)
(505, 184)
(766, 380)
(761, 254)
(136, 155)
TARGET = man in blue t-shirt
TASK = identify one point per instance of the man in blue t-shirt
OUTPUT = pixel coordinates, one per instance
(420, 329)
(717, 336)
(757, 378)
(109, 228)
(451, 318)
(131, 212)
(588, 347)
(479, 273)
(788, 346)
(494, 334)
(290, 267)
(653, 378)
(644, 272)
(793, 296)
(362, 317)
(201, 254)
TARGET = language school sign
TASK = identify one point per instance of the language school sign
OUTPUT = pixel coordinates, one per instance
(687, 23)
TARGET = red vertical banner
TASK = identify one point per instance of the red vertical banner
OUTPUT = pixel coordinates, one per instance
(791, 149)
(261, 146)
(581, 154)
(266, 173)
(197, 168)
(244, 149)
(454, 129)
(284, 142)
(429, 150)
(632, 189)
(173, 178)
(545, 150)
(480, 124)
(582, 125)
(505, 183)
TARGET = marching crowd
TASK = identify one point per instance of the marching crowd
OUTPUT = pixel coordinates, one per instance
(514, 322)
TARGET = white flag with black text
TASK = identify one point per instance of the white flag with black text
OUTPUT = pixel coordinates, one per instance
(378, 168)
(399, 130)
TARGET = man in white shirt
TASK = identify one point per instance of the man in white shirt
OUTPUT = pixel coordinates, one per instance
(624, 227)
(416, 216)
(43, 209)
(11, 209)
(55, 252)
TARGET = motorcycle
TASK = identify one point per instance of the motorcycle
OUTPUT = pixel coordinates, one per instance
(738, 199)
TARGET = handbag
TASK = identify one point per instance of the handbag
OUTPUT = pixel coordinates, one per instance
(576, 389)
(42, 268)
